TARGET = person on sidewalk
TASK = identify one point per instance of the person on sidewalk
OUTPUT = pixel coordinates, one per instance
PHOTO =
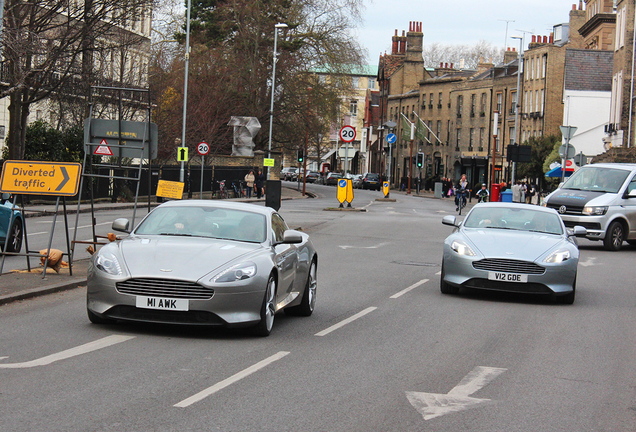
(249, 182)
(258, 183)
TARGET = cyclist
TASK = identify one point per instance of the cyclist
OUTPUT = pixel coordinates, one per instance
(483, 193)
(461, 192)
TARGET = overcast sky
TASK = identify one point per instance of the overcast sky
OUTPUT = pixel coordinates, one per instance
(461, 22)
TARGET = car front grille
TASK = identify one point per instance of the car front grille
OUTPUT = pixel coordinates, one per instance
(508, 266)
(569, 210)
(586, 225)
(165, 288)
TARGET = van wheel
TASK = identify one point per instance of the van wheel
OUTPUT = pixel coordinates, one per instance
(614, 237)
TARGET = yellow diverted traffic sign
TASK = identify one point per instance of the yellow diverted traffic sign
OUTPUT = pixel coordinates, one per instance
(41, 178)
(268, 162)
(345, 191)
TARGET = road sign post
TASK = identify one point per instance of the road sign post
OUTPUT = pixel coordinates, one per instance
(391, 139)
(347, 134)
(203, 148)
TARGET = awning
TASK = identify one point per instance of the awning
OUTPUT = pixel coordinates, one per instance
(328, 155)
(557, 172)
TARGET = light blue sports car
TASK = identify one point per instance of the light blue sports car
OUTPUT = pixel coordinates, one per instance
(511, 247)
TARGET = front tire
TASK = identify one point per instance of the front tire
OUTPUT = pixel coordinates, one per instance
(308, 303)
(268, 310)
(97, 319)
(14, 237)
(444, 286)
(614, 236)
(568, 298)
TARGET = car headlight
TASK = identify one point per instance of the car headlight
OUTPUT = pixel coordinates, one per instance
(108, 263)
(594, 211)
(462, 248)
(236, 272)
(558, 256)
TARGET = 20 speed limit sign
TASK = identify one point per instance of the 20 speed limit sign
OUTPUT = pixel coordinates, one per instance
(347, 133)
(203, 148)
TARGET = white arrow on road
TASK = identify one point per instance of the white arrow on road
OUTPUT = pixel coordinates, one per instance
(363, 247)
(432, 405)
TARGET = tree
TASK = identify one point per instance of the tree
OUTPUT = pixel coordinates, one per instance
(46, 143)
(231, 68)
(434, 54)
(49, 48)
(542, 150)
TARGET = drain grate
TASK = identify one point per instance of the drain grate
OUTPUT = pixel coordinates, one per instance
(415, 263)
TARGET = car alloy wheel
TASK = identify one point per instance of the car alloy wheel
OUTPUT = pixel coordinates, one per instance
(614, 237)
(15, 237)
(268, 310)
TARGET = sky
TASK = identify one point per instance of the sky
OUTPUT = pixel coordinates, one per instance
(459, 22)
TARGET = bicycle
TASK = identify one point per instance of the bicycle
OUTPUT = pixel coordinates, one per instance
(461, 200)
(222, 189)
(481, 198)
(239, 190)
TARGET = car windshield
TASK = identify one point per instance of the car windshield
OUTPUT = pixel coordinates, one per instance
(597, 179)
(520, 219)
(373, 177)
(210, 222)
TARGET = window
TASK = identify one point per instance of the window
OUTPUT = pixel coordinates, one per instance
(499, 101)
(353, 108)
(530, 105)
(439, 128)
(536, 99)
(355, 82)
(439, 100)
(459, 137)
(545, 64)
(621, 18)
(371, 83)
(482, 138)
(322, 79)
(513, 104)
(423, 100)
(483, 104)
(471, 139)
(473, 102)
(511, 134)
(460, 103)
(542, 101)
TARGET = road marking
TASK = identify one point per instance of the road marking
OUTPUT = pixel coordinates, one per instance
(231, 380)
(73, 352)
(70, 228)
(432, 405)
(404, 291)
(345, 322)
(364, 247)
(588, 262)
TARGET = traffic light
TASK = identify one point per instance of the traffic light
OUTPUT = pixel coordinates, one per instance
(420, 160)
(300, 156)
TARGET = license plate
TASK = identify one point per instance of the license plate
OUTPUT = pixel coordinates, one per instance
(508, 277)
(162, 303)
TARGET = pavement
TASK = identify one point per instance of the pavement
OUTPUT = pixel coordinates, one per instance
(21, 284)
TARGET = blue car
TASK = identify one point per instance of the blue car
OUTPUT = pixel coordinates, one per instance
(11, 232)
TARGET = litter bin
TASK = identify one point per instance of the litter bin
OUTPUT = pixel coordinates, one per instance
(494, 193)
(506, 196)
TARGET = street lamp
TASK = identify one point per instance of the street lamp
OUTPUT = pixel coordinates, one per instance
(271, 106)
(390, 125)
(519, 66)
(185, 87)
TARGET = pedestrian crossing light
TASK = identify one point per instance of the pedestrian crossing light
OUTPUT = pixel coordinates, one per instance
(420, 159)
(300, 156)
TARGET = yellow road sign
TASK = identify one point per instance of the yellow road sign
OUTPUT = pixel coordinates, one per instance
(342, 190)
(182, 154)
(40, 178)
(170, 189)
(268, 162)
(349, 187)
(385, 188)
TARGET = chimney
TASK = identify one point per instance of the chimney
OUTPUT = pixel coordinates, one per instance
(451, 66)
(573, 7)
(414, 42)
(394, 49)
(552, 37)
(545, 39)
(534, 39)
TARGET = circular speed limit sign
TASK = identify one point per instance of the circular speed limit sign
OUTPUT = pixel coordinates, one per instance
(203, 148)
(347, 133)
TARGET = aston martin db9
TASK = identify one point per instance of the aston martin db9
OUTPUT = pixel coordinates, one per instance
(511, 247)
(203, 262)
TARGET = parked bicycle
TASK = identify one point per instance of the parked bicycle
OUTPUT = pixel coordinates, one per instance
(222, 189)
(239, 189)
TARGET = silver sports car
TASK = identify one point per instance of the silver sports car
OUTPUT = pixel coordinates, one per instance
(511, 247)
(204, 263)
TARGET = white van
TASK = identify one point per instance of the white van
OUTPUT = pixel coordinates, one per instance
(602, 198)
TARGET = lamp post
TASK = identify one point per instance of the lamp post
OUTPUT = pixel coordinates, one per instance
(309, 89)
(185, 87)
(390, 125)
(271, 106)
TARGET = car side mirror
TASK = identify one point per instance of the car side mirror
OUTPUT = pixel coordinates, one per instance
(631, 194)
(121, 225)
(450, 220)
(292, 237)
(579, 231)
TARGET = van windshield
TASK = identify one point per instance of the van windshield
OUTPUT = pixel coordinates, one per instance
(607, 180)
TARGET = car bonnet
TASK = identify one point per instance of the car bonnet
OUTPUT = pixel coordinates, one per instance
(511, 244)
(185, 258)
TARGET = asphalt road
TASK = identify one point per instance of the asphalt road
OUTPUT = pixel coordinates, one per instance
(384, 350)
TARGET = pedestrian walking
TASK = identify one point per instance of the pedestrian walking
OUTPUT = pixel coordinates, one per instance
(258, 183)
(249, 182)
